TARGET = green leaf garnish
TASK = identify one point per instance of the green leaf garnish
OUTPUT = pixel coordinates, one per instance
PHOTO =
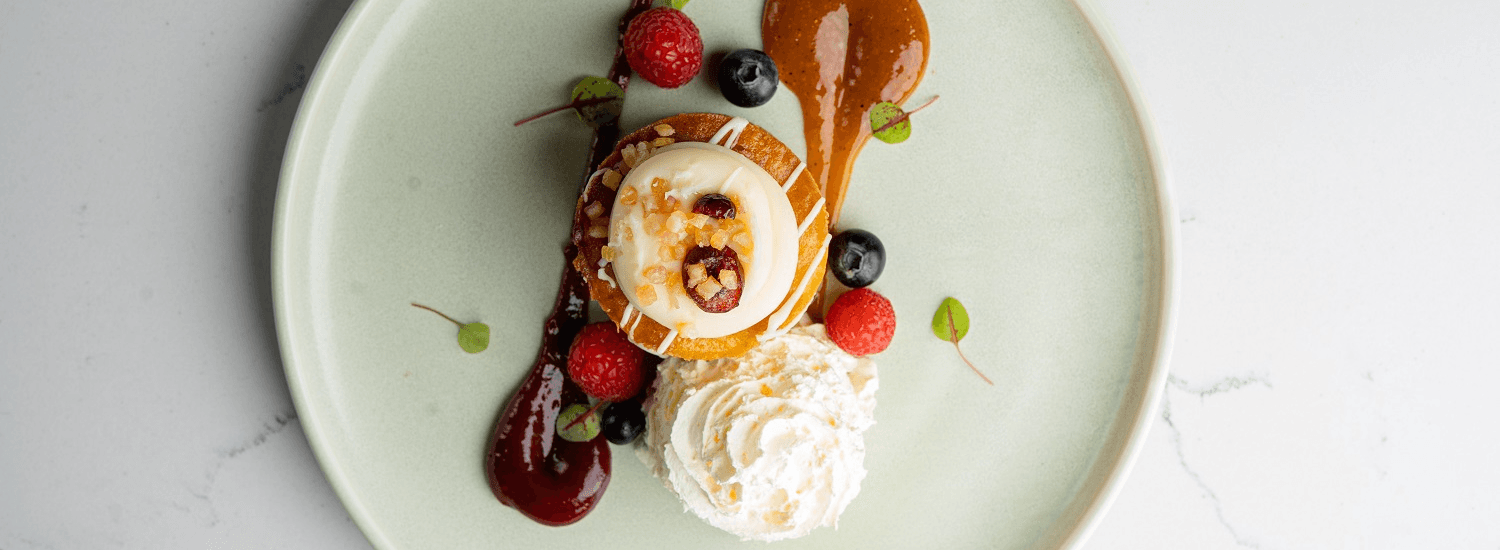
(472, 337)
(951, 323)
(598, 101)
(676, 4)
(890, 124)
(578, 423)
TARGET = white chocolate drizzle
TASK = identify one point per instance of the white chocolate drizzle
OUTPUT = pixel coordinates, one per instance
(792, 179)
(631, 330)
(730, 130)
(811, 215)
(607, 278)
(778, 323)
(725, 188)
(625, 319)
(666, 342)
(592, 178)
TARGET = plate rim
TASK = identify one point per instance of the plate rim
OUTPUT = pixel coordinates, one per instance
(1155, 387)
(291, 163)
(1093, 511)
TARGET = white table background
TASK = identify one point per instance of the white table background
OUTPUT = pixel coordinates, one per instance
(1336, 167)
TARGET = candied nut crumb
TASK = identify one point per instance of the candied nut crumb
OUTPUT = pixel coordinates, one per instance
(598, 231)
(607, 253)
(593, 210)
(656, 274)
(612, 179)
(662, 142)
(674, 287)
(743, 239)
(654, 224)
(628, 154)
(708, 288)
(645, 294)
(628, 196)
(730, 280)
(659, 188)
(719, 240)
(664, 251)
(697, 273)
(627, 233)
(732, 225)
(664, 130)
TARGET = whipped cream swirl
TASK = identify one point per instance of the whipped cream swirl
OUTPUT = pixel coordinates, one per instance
(768, 445)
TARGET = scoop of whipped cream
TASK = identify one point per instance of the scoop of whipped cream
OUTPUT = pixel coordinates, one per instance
(768, 445)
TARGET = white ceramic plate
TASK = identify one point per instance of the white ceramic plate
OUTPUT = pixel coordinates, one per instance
(1030, 192)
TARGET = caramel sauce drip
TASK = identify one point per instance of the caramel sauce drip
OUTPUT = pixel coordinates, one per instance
(841, 57)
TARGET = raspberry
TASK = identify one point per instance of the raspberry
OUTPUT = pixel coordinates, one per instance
(861, 322)
(663, 46)
(605, 364)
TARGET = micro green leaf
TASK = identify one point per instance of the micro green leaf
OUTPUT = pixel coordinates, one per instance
(677, 4)
(890, 124)
(885, 124)
(598, 101)
(951, 323)
(578, 423)
(472, 337)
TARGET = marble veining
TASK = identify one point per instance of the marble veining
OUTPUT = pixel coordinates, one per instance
(297, 83)
(202, 491)
(1218, 387)
(1224, 385)
(275, 426)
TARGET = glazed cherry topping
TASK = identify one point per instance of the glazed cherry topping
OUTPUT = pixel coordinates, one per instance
(713, 278)
(715, 206)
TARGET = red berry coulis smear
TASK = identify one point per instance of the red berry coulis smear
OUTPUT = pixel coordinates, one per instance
(530, 468)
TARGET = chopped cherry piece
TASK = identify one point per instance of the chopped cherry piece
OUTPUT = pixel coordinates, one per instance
(712, 262)
(715, 205)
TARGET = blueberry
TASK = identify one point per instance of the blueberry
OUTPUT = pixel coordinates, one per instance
(623, 422)
(748, 78)
(856, 258)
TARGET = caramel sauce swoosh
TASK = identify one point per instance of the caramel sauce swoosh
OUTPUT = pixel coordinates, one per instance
(841, 57)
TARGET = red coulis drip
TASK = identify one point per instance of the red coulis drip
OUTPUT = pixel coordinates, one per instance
(549, 479)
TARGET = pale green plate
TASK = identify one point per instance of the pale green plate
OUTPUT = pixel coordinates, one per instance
(1030, 191)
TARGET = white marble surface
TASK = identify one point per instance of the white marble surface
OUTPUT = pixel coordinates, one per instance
(1336, 166)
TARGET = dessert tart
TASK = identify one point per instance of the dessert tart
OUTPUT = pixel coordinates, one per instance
(701, 236)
